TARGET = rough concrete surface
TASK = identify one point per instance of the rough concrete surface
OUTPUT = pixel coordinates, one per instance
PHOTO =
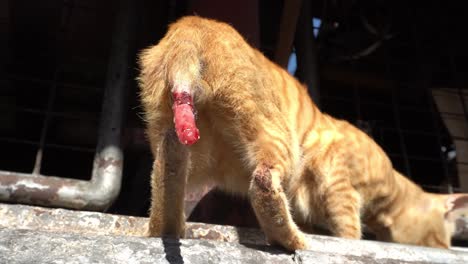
(83, 222)
(28, 246)
(41, 235)
(338, 250)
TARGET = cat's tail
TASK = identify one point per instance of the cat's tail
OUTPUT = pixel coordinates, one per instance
(172, 69)
(183, 74)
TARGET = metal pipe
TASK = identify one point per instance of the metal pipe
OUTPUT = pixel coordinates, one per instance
(103, 188)
(306, 49)
(287, 29)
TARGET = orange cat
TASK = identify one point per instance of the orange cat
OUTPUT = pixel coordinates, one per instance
(219, 112)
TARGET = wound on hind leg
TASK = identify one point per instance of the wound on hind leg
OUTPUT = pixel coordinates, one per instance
(271, 208)
(262, 179)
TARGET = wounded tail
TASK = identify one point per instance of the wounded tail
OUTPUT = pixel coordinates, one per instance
(174, 66)
(183, 74)
(183, 70)
(184, 117)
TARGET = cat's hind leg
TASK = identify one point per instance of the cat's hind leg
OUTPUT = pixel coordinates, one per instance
(272, 210)
(168, 180)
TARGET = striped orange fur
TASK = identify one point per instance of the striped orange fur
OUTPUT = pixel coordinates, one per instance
(261, 136)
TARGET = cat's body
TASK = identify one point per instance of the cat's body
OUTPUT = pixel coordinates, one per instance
(262, 137)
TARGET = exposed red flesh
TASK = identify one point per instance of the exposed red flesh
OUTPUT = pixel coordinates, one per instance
(184, 118)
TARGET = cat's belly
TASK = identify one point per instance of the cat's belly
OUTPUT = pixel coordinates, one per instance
(215, 162)
(310, 219)
(226, 176)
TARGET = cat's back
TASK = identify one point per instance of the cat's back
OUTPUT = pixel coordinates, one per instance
(370, 169)
(361, 155)
(201, 24)
(210, 36)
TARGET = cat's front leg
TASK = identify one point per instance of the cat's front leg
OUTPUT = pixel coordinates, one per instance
(168, 179)
(271, 208)
(342, 204)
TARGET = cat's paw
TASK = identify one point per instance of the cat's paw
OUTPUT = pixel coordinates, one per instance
(295, 242)
(298, 242)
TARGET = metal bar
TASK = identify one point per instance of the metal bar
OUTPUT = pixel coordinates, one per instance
(423, 158)
(76, 115)
(448, 178)
(73, 148)
(21, 141)
(52, 90)
(307, 62)
(452, 114)
(419, 132)
(57, 146)
(438, 128)
(104, 186)
(453, 70)
(400, 134)
(396, 114)
(451, 91)
(462, 100)
(289, 21)
(409, 108)
(15, 77)
(45, 126)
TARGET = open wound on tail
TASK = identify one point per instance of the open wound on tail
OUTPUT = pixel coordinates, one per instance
(184, 117)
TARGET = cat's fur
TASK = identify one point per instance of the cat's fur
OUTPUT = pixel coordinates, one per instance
(262, 137)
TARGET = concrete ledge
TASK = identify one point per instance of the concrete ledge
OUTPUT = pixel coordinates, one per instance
(83, 222)
(338, 250)
(44, 235)
(28, 246)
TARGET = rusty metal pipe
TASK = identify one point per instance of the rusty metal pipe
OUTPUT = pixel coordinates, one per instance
(104, 186)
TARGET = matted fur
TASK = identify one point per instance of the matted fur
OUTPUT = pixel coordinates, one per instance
(262, 137)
